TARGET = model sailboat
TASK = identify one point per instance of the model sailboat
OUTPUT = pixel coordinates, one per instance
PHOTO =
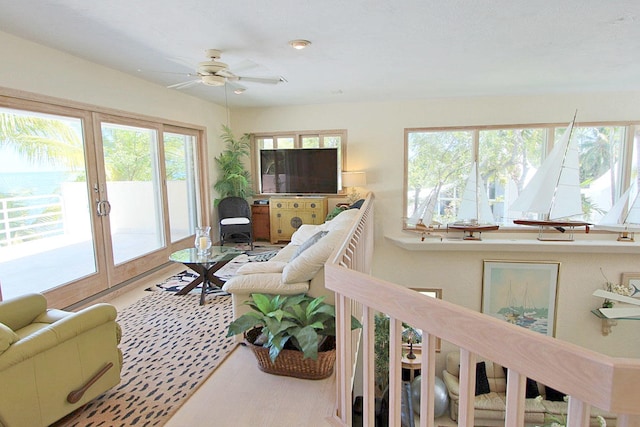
(625, 222)
(474, 214)
(554, 191)
(423, 217)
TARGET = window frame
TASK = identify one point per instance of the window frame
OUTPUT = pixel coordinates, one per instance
(632, 128)
(297, 137)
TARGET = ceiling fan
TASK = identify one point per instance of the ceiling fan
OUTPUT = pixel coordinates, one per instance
(215, 73)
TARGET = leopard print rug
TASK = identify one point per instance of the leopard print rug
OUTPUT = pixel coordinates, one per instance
(170, 346)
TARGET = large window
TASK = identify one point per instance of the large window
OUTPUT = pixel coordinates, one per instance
(299, 162)
(440, 161)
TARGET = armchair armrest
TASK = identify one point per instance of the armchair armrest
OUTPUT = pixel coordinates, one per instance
(452, 383)
(18, 312)
(70, 326)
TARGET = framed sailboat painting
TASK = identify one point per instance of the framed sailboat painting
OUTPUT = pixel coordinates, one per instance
(521, 292)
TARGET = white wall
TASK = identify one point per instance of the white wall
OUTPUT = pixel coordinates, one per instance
(376, 144)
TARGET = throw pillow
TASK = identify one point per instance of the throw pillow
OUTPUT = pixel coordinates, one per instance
(357, 205)
(553, 394)
(531, 390)
(308, 243)
(482, 382)
(334, 213)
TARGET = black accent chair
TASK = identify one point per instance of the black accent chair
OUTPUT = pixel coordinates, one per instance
(235, 221)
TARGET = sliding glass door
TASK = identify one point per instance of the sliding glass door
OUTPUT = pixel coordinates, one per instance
(46, 236)
(88, 201)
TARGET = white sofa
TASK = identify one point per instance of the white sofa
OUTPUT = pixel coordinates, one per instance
(490, 407)
(297, 268)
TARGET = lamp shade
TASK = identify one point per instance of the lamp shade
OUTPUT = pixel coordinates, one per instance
(354, 179)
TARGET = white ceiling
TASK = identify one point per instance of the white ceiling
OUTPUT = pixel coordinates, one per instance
(362, 51)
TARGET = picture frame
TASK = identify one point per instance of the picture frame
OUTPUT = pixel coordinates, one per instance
(632, 280)
(522, 292)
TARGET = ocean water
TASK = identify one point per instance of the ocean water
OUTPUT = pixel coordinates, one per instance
(32, 183)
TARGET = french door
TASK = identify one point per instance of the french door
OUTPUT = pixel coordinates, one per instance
(90, 200)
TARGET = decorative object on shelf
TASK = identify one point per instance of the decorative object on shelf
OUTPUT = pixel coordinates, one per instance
(293, 331)
(625, 292)
(623, 217)
(632, 281)
(474, 213)
(554, 191)
(422, 219)
(203, 240)
(353, 180)
(521, 292)
(234, 179)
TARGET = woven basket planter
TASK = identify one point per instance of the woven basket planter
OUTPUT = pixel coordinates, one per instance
(290, 363)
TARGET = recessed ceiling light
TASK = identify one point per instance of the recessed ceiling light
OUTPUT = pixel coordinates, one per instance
(299, 44)
(239, 90)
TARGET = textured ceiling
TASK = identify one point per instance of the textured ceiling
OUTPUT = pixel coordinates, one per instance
(361, 51)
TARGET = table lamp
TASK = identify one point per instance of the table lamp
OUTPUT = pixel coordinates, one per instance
(353, 180)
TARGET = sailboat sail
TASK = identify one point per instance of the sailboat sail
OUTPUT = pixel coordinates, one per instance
(619, 219)
(424, 214)
(555, 188)
(474, 206)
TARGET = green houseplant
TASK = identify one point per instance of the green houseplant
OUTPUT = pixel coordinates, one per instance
(234, 179)
(299, 327)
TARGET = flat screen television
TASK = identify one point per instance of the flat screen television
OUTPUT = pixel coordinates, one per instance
(299, 171)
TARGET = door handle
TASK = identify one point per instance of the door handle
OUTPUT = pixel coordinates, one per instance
(103, 207)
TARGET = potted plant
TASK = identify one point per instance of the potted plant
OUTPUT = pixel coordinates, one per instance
(291, 335)
(235, 179)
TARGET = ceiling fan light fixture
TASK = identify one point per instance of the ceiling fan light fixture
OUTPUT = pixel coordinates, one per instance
(213, 80)
(299, 44)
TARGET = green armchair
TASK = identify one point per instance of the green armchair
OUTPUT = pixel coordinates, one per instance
(52, 361)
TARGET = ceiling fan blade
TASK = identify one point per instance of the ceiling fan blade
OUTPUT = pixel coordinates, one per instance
(184, 85)
(166, 72)
(267, 80)
(237, 88)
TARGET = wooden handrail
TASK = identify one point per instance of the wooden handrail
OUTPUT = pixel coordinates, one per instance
(590, 378)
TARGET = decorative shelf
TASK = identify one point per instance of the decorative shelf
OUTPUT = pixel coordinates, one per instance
(413, 243)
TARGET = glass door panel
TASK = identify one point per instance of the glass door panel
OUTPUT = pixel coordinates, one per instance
(134, 205)
(182, 184)
(46, 237)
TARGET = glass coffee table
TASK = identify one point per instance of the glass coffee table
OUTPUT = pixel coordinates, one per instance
(205, 265)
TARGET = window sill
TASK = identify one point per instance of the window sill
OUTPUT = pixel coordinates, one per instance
(603, 243)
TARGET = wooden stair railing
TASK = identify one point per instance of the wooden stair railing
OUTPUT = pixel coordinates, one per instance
(590, 378)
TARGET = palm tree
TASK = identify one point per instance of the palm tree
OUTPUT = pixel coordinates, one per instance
(42, 139)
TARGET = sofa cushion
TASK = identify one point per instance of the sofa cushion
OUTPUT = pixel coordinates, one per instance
(343, 220)
(262, 267)
(7, 337)
(307, 264)
(304, 232)
(267, 283)
(308, 243)
(234, 221)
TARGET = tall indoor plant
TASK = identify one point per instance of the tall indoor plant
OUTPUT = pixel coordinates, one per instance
(234, 179)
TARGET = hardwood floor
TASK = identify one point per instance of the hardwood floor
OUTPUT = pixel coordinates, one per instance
(237, 393)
